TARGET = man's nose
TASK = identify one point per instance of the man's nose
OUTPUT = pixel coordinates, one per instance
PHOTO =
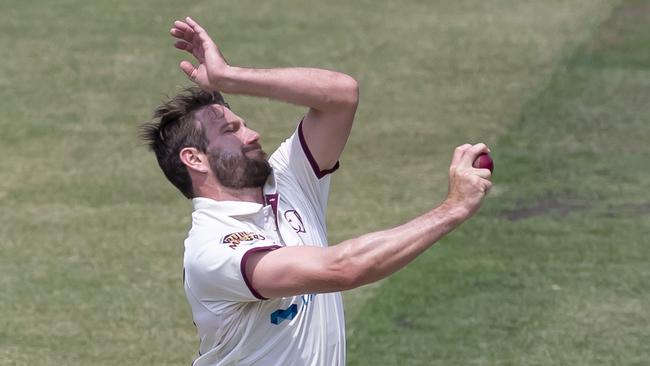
(250, 136)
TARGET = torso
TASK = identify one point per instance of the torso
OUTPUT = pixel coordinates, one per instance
(298, 330)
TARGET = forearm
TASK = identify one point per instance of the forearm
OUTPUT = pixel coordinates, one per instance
(319, 89)
(309, 269)
(377, 255)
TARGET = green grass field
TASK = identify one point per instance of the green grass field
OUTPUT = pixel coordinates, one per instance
(554, 270)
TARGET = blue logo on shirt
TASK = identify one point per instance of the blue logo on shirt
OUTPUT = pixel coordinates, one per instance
(289, 313)
(279, 315)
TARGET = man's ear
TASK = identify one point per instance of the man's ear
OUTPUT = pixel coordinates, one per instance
(195, 160)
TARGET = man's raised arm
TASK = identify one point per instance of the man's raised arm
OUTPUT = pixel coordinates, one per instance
(332, 97)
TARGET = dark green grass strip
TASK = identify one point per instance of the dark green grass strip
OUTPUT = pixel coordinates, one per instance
(555, 268)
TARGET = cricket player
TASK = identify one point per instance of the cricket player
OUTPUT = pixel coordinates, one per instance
(262, 282)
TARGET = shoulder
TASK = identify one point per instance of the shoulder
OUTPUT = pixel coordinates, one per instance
(294, 157)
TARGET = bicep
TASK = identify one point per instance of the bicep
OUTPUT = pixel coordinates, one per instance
(291, 271)
(326, 133)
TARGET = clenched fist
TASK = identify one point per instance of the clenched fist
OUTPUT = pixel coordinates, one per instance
(467, 185)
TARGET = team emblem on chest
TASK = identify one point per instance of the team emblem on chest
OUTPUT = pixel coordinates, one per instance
(295, 221)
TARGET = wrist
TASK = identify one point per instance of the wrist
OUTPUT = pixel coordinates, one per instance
(456, 211)
(228, 79)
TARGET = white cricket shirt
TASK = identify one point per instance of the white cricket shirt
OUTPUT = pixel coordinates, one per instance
(236, 325)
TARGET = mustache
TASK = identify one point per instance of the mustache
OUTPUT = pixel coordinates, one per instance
(251, 147)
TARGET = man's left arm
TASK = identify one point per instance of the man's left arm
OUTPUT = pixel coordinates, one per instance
(332, 97)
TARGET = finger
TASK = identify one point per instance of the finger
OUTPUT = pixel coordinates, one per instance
(194, 25)
(473, 152)
(183, 31)
(182, 26)
(487, 186)
(188, 69)
(202, 35)
(458, 154)
(189, 36)
(483, 173)
(182, 45)
(186, 36)
(478, 149)
(177, 33)
(209, 51)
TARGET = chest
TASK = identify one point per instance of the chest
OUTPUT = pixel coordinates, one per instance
(292, 221)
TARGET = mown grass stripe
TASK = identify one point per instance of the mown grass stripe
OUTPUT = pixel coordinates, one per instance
(554, 269)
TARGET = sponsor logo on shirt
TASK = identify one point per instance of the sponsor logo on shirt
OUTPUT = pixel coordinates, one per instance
(280, 315)
(289, 313)
(234, 239)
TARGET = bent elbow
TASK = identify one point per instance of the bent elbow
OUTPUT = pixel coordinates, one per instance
(350, 88)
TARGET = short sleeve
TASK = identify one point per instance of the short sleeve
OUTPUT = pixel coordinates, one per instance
(294, 165)
(215, 271)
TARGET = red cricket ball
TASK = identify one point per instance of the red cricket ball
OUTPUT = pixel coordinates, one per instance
(484, 161)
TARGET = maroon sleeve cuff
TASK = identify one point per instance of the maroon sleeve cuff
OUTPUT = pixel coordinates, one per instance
(314, 166)
(242, 268)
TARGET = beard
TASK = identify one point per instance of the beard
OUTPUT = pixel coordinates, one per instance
(236, 170)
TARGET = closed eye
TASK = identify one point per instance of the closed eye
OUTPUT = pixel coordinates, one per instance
(231, 127)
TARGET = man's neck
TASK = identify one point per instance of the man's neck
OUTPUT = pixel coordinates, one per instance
(230, 194)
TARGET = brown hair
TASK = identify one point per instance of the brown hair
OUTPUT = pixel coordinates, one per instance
(175, 128)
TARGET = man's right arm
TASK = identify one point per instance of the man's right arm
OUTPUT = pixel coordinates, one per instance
(305, 269)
